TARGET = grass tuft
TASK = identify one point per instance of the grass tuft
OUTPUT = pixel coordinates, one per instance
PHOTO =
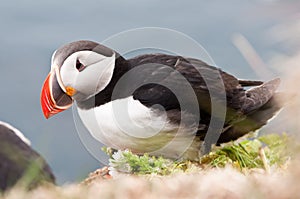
(268, 151)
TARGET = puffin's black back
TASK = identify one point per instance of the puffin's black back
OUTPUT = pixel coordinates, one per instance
(19, 161)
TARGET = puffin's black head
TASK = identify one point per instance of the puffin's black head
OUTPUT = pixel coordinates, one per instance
(79, 70)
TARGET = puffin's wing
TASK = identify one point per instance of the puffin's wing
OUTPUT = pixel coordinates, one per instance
(167, 73)
(246, 83)
(238, 98)
(173, 77)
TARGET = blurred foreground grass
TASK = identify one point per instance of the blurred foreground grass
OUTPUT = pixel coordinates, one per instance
(249, 168)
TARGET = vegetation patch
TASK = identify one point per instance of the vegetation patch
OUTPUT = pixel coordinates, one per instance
(265, 152)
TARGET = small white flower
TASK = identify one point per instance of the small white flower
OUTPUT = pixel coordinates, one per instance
(119, 162)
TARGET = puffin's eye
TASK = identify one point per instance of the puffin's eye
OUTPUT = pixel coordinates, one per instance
(79, 66)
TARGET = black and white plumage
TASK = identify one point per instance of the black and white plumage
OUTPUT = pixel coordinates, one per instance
(147, 118)
(19, 162)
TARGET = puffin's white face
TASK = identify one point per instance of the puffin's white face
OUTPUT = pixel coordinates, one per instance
(79, 70)
(84, 74)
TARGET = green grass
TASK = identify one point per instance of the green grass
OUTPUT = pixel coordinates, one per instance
(263, 152)
(247, 154)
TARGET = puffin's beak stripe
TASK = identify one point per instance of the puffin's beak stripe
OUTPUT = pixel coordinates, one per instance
(53, 99)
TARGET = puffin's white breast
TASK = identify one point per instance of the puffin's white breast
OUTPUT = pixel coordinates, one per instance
(128, 124)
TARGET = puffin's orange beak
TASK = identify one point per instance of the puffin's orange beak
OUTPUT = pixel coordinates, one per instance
(53, 98)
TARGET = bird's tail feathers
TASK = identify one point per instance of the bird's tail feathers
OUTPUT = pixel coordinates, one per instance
(256, 119)
(258, 96)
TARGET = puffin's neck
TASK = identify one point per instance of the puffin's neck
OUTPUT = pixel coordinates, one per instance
(104, 96)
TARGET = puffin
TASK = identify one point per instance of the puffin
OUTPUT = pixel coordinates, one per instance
(19, 163)
(162, 104)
